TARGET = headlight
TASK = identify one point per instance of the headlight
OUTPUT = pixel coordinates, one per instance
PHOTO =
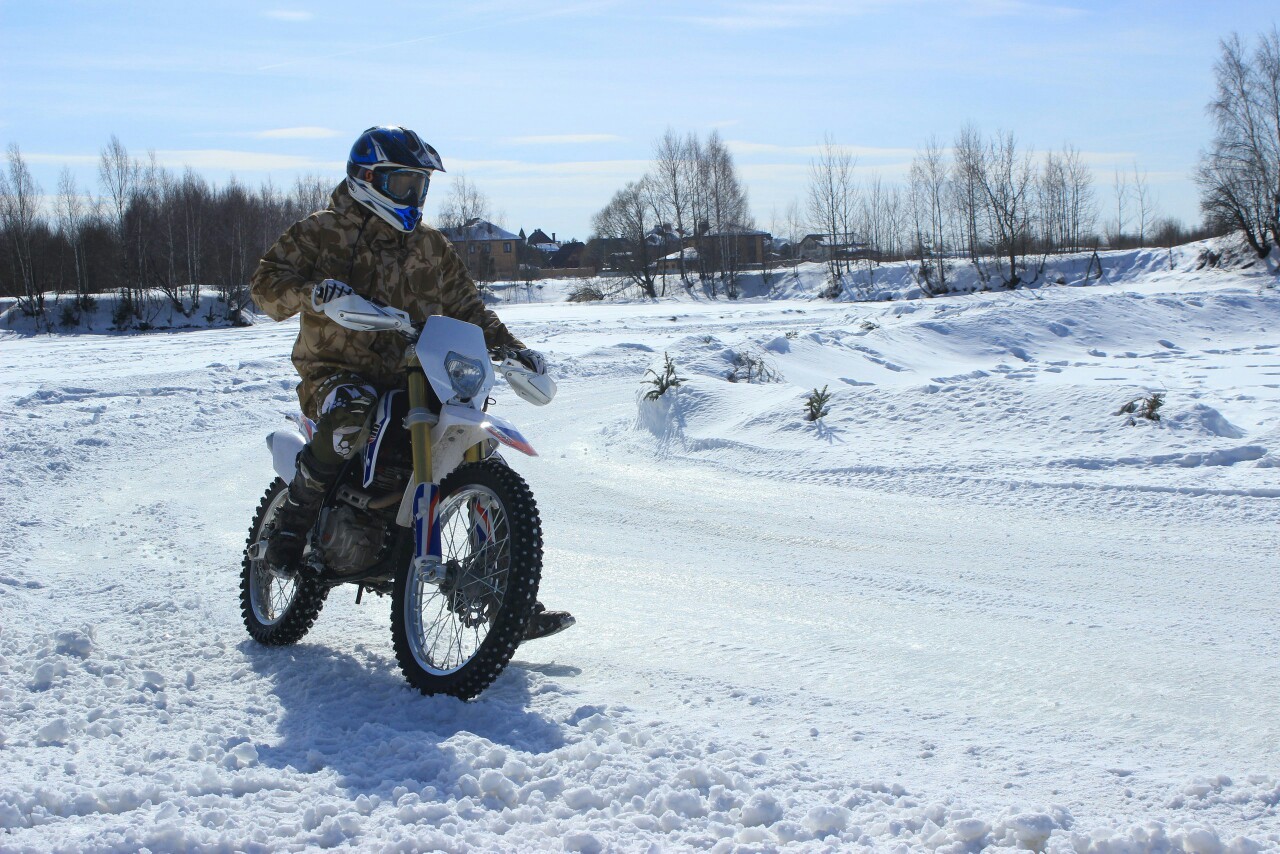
(466, 375)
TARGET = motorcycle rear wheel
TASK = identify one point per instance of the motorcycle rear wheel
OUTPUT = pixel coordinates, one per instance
(457, 636)
(278, 610)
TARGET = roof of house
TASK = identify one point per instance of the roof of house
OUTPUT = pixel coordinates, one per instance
(477, 229)
(738, 231)
(837, 239)
(690, 253)
(568, 254)
(539, 236)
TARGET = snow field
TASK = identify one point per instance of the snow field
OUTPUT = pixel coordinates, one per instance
(972, 609)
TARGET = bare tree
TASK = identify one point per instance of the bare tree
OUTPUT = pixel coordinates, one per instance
(728, 211)
(672, 177)
(19, 214)
(72, 214)
(310, 193)
(930, 191)
(1239, 176)
(970, 200)
(1082, 210)
(118, 174)
(1120, 189)
(1007, 179)
(463, 204)
(1144, 199)
(795, 231)
(832, 204)
(1052, 203)
(623, 225)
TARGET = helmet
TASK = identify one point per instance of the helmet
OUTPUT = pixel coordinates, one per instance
(388, 172)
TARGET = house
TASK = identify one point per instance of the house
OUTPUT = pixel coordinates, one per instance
(662, 238)
(542, 242)
(488, 250)
(744, 245)
(571, 255)
(672, 263)
(824, 247)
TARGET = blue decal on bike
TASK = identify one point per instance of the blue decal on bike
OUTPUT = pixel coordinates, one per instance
(482, 529)
(381, 425)
(426, 522)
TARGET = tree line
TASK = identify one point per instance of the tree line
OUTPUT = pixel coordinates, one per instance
(149, 234)
(985, 201)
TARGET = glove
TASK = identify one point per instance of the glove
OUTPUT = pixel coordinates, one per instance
(328, 291)
(533, 360)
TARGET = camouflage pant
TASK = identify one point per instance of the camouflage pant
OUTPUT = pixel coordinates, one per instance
(346, 402)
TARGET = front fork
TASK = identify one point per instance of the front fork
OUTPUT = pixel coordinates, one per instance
(426, 497)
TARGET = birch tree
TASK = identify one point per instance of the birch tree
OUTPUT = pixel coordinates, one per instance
(1239, 176)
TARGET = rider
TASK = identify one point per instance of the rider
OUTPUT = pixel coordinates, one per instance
(369, 240)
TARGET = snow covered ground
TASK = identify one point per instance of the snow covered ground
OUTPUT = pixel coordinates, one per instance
(974, 607)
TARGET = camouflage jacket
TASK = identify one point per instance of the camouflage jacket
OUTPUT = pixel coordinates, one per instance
(418, 272)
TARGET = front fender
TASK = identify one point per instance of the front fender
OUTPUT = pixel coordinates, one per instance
(496, 426)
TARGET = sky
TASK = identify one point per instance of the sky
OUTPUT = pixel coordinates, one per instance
(550, 107)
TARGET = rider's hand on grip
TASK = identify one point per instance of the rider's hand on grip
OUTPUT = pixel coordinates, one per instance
(533, 360)
(328, 291)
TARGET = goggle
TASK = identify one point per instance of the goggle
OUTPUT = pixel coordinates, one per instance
(403, 186)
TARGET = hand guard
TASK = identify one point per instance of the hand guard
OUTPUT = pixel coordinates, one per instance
(328, 291)
(533, 360)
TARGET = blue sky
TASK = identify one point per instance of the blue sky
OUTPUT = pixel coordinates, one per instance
(549, 107)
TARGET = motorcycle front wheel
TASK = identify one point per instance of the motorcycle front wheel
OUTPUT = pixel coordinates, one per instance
(456, 635)
(278, 608)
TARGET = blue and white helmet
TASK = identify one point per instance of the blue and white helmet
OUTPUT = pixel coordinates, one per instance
(388, 172)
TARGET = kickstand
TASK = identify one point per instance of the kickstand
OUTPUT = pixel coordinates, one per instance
(359, 593)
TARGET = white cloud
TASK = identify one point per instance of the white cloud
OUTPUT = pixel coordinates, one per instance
(739, 16)
(743, 148)
(297, 133)
(291, 15)
(61, 159)
(564, 139)
(243, 161)
(489, 169)
(1017, 8)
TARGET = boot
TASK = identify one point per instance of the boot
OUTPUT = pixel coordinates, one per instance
(545, 623)
(311, 480)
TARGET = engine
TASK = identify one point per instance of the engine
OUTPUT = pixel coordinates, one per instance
(350, 539)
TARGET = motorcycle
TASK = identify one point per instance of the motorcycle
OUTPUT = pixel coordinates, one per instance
(429, 513)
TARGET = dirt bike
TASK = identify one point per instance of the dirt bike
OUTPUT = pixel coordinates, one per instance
(429, 513)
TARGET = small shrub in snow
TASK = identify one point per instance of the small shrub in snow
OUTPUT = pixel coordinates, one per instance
(68, 316)
(664, 381)
(868, 326)
(1143, 407)
(750, 369)
(816, 404)
(586, 292)
(122, 313)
